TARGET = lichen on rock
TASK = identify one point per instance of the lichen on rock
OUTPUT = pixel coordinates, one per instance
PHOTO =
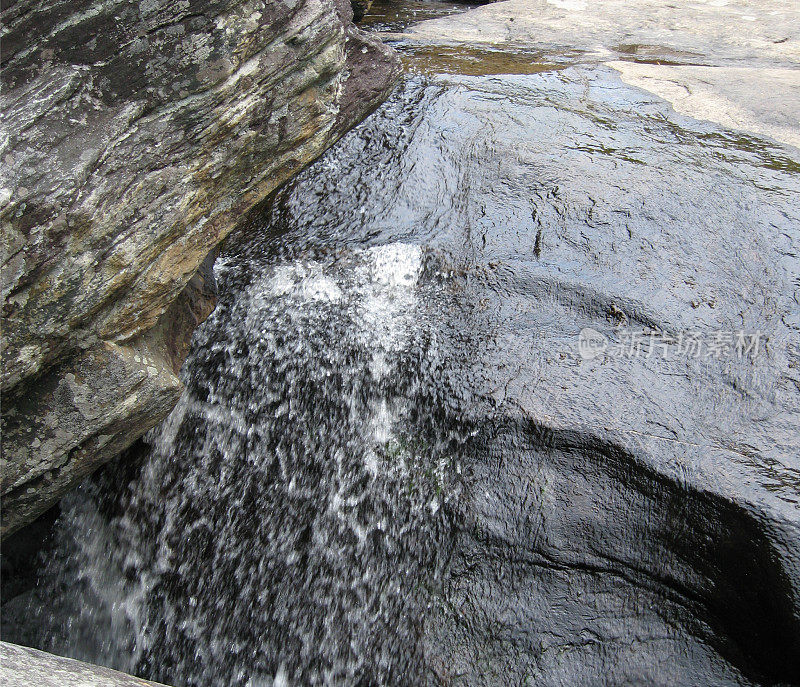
(137, 135)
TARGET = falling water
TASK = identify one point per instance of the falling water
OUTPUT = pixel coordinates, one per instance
(288, 517)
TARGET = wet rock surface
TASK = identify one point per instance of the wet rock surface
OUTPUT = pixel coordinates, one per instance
(446, 425)
(387, 16)
(137, 136)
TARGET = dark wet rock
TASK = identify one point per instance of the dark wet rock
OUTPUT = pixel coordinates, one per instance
(137, 137)
(576, 562)
(392, 16)
(360, 8)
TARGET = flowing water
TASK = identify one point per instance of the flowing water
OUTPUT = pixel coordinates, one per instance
(393, 464)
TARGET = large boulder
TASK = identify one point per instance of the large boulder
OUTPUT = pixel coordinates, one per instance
(136, 137)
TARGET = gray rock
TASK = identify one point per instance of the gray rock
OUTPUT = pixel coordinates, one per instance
(732, 62)
(737, 97)
(23, 666)
(720, 30)
(137, 136)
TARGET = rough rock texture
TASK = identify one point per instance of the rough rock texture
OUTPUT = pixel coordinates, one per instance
(23, 667)
(136, 136)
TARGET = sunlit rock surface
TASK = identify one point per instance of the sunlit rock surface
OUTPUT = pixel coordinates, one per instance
(762, 101)
(136, 135)
(733, 62)
(732, 29)
(22, 667)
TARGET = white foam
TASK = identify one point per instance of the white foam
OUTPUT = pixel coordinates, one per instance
(388, 279)
(305, 281)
